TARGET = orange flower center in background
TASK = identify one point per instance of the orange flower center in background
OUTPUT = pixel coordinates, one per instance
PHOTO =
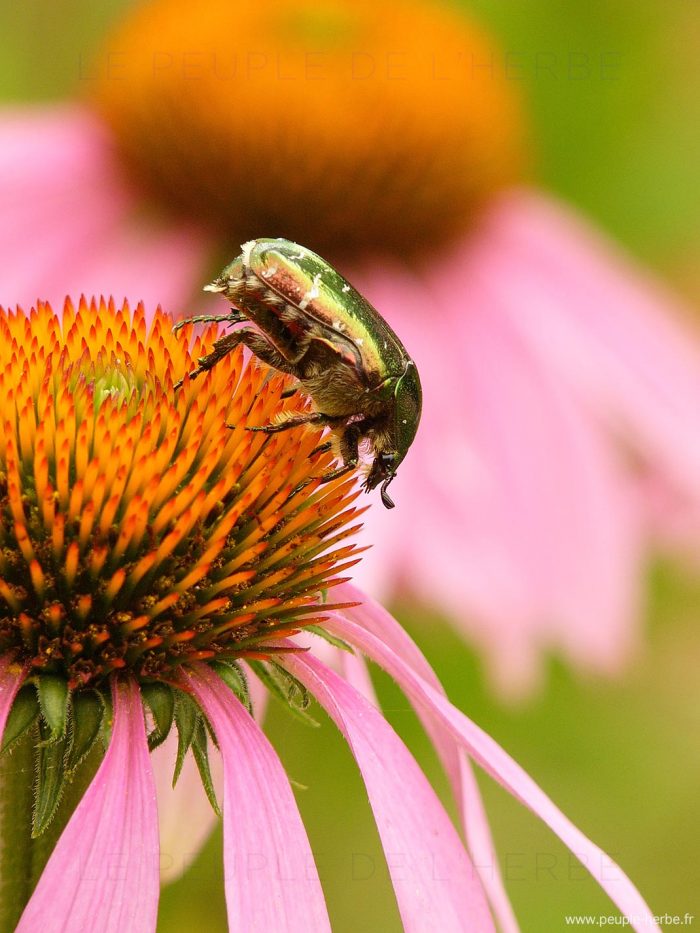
(142, 527)
(349, 125)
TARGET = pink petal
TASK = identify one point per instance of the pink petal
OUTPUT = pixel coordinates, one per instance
(271, 879)
(185, 816)
(609, 328)
(373, 617)
(491, 757)
(436, 886)
(61, 190)
(11, 677)
(103, 872)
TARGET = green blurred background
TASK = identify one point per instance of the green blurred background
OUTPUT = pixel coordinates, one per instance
(613, 90)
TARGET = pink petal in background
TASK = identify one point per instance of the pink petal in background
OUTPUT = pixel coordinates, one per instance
(513, 515)
(61, 190)
(185, 816)
(11, 677)
(620, 338)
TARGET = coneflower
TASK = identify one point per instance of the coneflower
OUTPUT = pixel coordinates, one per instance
(155, 555)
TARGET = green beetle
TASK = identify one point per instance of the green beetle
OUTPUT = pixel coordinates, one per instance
(313, 325)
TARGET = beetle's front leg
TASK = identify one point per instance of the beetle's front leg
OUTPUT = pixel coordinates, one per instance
(233, 317)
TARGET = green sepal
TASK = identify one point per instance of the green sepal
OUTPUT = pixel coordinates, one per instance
(86, 723)
(25, 711)
(235, 679)
(186, 718)
(331, 639)
(51, 776)
(201, 756)
(161, 701)
(287, 688)
(54, 700)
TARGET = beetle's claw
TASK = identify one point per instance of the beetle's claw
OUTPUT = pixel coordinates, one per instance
(193, 375)
(321, 449)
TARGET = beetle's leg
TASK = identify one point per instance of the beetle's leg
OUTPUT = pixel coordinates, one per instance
(256, 343)
(222, 347)
(349, 451)
(348, 448)
(311, 417)
(339, 471)
(321, 449)
(234, 317)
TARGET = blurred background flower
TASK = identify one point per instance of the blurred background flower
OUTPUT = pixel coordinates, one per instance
(542, 404)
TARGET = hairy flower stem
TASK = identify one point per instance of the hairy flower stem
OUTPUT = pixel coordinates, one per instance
(22, 858)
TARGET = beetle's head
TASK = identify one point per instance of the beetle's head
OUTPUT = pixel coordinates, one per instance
(229, 277)
(393, 447)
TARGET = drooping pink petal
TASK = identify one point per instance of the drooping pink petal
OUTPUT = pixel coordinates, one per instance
(103, 872)
(496, 762)
(61, 190)
(11, 677)
(511, 496)
(436, 886)
(611, 330)
(370, 615)
(271, 879)
(185, 816)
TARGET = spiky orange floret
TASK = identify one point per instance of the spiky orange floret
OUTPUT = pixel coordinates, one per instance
(142, 527)
(263, 116)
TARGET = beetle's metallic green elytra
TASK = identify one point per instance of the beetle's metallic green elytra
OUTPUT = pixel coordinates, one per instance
(313, 325)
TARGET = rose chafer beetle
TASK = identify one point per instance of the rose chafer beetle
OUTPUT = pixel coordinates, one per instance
(313, 325)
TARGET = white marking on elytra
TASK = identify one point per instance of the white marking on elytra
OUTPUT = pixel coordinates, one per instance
(267, 273)
(346, 288)
(246, 249)
(312, 293)
(338, 325)
(360, 342)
